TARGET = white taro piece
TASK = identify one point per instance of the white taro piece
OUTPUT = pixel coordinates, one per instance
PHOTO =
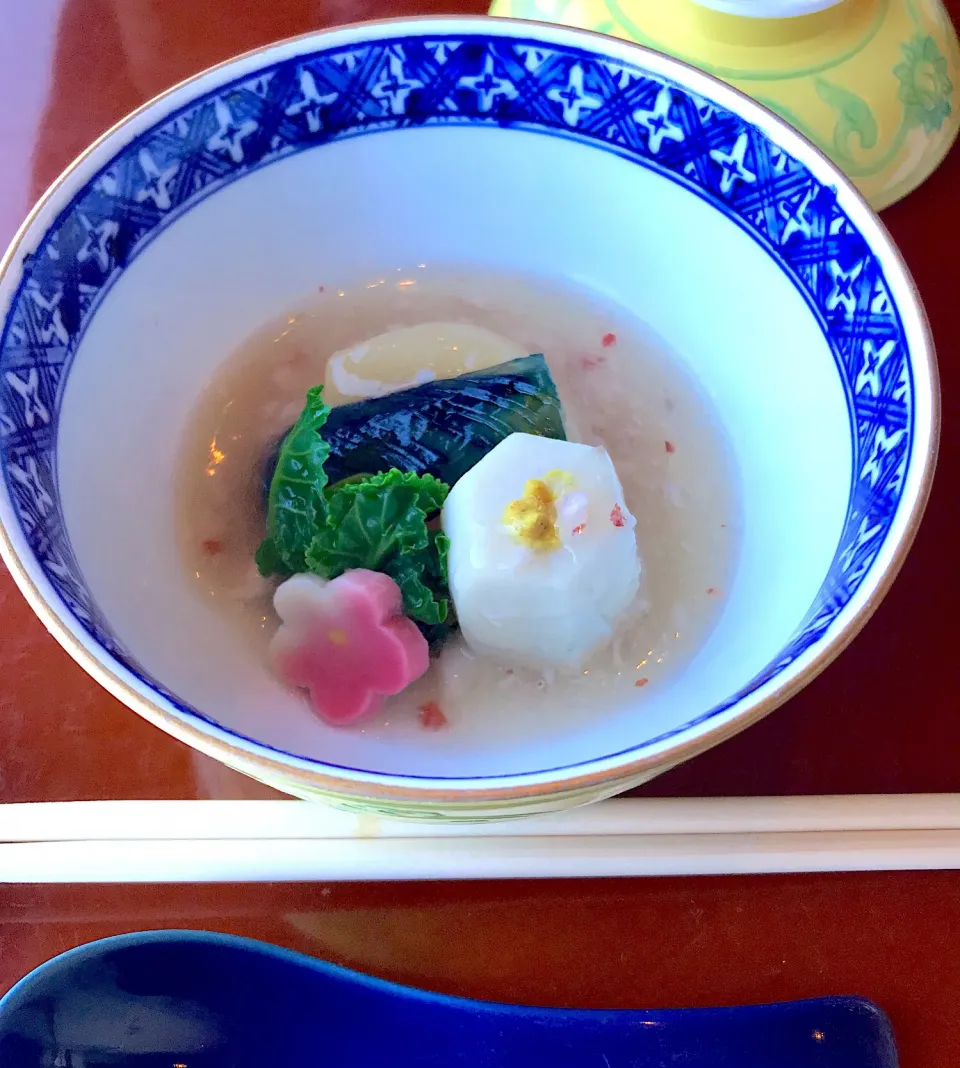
(543, 557)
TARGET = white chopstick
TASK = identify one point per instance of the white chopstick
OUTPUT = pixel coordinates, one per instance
(252, 860)
(210, 841)
(278, 820)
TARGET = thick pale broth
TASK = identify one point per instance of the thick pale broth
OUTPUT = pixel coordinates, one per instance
(620, 387)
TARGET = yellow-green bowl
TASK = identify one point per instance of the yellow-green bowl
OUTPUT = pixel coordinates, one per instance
(872, 83)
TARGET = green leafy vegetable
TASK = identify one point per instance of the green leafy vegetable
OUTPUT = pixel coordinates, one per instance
(380, 523)
(268, 559)
(365, 528)
(422, 578)
(295, 506)
(377, 522)
(430, 492)
(420, 601)
(442, 544)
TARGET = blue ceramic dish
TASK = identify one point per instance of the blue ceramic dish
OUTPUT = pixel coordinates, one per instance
(480, 143)
(191, 999)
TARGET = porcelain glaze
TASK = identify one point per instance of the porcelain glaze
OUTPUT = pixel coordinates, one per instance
(217, 205)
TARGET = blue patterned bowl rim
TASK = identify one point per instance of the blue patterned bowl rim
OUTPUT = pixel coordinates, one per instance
(657, 112)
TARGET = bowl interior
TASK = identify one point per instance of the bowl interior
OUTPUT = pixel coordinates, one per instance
(247, 196)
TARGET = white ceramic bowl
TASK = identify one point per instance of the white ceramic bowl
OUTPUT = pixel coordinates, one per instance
(222, 202)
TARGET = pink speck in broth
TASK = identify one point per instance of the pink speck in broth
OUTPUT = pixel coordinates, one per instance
(432, 717)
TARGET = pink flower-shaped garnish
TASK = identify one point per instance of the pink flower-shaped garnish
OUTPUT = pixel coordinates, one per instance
(346, 643)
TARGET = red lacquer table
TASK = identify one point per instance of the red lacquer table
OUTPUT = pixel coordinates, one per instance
(883, 719)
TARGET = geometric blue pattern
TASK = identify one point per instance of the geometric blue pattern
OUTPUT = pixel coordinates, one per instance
(305, 102)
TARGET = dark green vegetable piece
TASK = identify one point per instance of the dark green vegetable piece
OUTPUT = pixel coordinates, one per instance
(295, 499)
(441, 428)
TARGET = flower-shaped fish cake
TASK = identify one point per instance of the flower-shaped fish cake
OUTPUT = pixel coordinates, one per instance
(346, 643)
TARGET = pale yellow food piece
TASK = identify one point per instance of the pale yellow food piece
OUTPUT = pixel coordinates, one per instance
(411, 355)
